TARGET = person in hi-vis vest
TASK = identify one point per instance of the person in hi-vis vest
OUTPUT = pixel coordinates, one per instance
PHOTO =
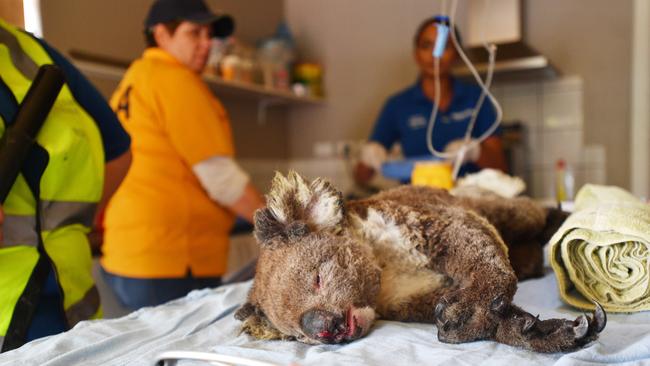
(81, 156)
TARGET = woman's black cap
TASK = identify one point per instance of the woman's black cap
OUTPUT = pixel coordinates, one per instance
(163, 11)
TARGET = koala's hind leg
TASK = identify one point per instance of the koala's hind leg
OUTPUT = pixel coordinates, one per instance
(517, 219)
(521, 223)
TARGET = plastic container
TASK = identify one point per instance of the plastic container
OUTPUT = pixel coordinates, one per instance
(275, 56)
(437, 174)
(426, 170)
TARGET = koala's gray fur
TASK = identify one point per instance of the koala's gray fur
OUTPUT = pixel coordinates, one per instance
(327, 269)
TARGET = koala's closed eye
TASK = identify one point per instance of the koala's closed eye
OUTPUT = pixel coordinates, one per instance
(317, 282)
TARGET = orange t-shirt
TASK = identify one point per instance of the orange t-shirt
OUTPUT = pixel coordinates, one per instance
(161, 222)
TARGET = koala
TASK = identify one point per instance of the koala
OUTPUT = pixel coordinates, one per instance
(328, 269)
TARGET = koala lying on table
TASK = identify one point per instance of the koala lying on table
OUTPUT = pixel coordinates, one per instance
(327, 268)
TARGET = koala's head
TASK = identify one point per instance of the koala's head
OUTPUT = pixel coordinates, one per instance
(314, 281)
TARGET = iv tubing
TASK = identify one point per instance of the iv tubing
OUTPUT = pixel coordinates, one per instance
(486, 92)
(484, 86)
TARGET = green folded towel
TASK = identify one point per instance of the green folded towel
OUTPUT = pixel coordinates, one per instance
(602, 251)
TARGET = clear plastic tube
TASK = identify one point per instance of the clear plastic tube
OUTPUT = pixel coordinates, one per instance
(485, 86)
(434, 113)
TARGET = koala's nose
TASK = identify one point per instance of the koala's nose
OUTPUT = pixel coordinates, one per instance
(322, 324)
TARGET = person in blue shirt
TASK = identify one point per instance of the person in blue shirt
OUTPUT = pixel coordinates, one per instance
(405, 115)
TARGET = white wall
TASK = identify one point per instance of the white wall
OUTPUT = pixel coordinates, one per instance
(552, 112)
(592, 39)
(640, 108)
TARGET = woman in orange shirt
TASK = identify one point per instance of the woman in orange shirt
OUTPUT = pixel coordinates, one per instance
(167, 226)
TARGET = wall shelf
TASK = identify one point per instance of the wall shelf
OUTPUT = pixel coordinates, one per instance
(249, 90)
(264, 97)
(107, 67)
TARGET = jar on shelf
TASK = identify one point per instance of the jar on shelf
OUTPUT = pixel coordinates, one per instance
(246, 67)
(275, 56)
(229, 67)
(218, 50)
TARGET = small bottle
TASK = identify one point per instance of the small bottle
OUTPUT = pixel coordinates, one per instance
(564, 182)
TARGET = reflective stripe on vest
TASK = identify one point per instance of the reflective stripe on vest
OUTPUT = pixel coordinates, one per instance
(69, 189)
(84, 309)
(58, 214)
(19, 229)
(20, 59)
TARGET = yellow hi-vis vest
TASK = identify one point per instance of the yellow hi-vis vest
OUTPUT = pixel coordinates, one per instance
(70, 187)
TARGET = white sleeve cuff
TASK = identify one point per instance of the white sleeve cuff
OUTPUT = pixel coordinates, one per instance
(222, 179)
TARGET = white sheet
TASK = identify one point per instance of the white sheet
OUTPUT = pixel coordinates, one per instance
(203, 321)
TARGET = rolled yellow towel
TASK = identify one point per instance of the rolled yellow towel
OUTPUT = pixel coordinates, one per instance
(602, 251)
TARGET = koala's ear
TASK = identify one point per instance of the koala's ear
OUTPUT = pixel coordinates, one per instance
(296, 208)
(256, 324)
(267, 226)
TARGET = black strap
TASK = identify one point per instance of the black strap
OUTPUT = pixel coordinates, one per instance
(28, 302)
(8, 104)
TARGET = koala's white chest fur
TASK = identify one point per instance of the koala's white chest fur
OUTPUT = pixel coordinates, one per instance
(405, 273)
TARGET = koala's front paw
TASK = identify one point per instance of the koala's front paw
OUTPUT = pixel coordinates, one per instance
(256, 324)
(459, 320)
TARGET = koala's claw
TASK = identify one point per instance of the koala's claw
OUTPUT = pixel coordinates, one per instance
(442, 312)
(599, 319)
(442, 322)
(439, 310)
(529, 323)
(499, 305)
(581, 326)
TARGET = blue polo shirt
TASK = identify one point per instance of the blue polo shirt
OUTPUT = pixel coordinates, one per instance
(405, 116)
